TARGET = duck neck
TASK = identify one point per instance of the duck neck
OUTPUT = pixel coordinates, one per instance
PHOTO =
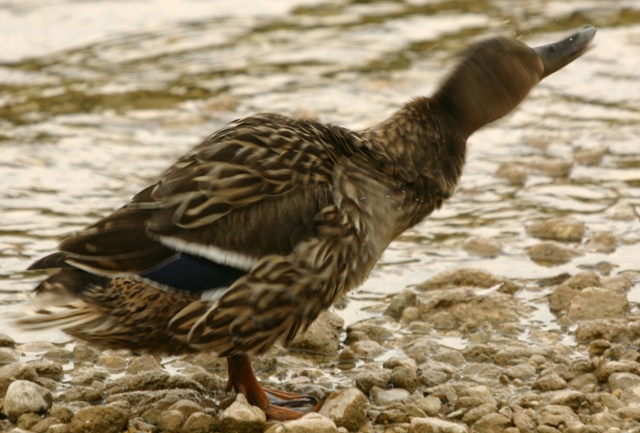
(425, 151)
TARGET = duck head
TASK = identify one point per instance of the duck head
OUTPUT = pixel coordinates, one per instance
(495, 75)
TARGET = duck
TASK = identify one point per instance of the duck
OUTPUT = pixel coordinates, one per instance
(253, 233)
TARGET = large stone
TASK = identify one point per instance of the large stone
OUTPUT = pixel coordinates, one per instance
(596, 303)
(347, 408)
(24, 396)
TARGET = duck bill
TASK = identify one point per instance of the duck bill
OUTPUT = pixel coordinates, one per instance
(558, 55)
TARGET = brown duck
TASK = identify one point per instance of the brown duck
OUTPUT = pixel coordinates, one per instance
(253, 233)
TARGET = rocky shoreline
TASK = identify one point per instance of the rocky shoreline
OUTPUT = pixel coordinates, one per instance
(386, 374)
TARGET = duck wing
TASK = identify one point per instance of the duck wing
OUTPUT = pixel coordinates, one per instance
(249, 190)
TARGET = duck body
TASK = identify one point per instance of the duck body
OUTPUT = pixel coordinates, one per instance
(248, 237)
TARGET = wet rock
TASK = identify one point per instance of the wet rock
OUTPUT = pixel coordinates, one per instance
(410, 314)
(63, 413)
(608, 421)
(612, 330)
(47, 369)
(23, 396)
(435, 373)
(550, 382)
(6, 341)
(367, 349)
(552, 168)
(514, 173)
(522, 371)
(385, 397)
(552, 253)
(556, 416)
(477, 412)
(365, 380)
(8, 355)
(28, 420)
(147, 381)
(346, 408)
(400, 302)
(241, 417)
(465, 277)
(435, 425)
(391, 416)
(199, 422)
(91, 394)
(563, 229)
(16, 371)
(595, 303)
(591, 156)
(566, 397)
(61, 355)
(405, 377)
(482, 247)
(84, 353)
(523, 422)
(430, 405)
(373, 329)
(622, 211)
(43, 425)
(143, 363)
(565, 292)
(490, 423)
(463, 307)
(322, 337)
(602, 242)
(113, 363)
(310, 423)
(137, 424)
(171, 421)
(623, 381)
(103, 419)
(450, 356)
(479, 353)
(186, 407)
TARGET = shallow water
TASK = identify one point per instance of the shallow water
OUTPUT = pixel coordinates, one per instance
(98, 97)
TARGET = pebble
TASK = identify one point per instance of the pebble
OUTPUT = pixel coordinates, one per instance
(143, 363)
(405, 377)
(199, 422)
(23, 396)
(322, 337)
(310, 423)
(400, 302)
(367, 349)
(171, 421)
(346, 408)
(385, 397)
(435, 425)
(365, 380)
(241, 417)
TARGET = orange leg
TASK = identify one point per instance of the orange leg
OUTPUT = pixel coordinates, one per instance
(242, 379)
